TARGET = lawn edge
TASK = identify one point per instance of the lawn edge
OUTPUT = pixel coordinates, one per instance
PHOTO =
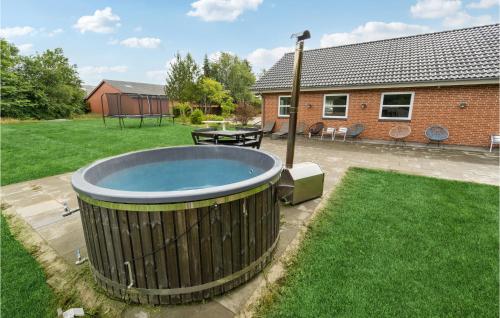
(267, 291)
(278, 268)
(72, 286)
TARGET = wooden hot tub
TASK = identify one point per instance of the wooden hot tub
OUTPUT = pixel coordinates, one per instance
(167, 248)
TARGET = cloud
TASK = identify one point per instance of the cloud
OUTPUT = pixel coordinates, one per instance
(159, 76)
(97, 70)
(102, 21)
(372, 31)
(452, 13)
(12, 32)
(222, 10)
(265, 58)
(483, 4)
(138, 29)
(25, 48)
(463, 19)
(55, 32)
(147, 43)
(431, 9)
(18, 31)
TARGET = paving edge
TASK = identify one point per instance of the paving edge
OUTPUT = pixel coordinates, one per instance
(70, 283)
(276, 269)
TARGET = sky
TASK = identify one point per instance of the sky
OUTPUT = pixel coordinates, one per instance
(137, 40)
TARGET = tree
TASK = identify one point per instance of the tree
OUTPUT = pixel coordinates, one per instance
(43, 86)
(235, 75)
(55, 84)
(13, 90)
(227, 107)
(182, 79)
(206, 67)
(212, 92)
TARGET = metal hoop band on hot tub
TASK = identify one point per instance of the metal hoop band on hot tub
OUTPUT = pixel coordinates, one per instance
(262, 260)
(176, 206)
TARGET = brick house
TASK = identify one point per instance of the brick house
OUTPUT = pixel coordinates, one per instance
(448, 78)
(134, 94)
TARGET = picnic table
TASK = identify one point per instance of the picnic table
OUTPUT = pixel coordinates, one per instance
(232, 137)
(234, 134)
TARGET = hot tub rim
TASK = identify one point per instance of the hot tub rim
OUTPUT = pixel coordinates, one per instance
(85, 188)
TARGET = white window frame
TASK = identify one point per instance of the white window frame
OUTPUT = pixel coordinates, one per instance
(396, 118)
(279, 105)
(346, 106)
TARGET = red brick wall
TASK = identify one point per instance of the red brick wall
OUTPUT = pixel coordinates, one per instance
(470, 126)
(129, 105)
(95, 99)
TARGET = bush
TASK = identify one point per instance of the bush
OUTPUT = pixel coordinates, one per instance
(227, 108)
(244, 113)
(182, 110)
(196, 117)
(212, 117)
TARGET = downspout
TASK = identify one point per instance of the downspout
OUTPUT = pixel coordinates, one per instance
(263, 111)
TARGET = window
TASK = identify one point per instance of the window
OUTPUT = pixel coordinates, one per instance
(284, 106)
(396, 106)
(335, 105)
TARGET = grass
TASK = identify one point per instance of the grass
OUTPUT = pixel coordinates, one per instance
(394, 245)
(32, 150)
(24, 290)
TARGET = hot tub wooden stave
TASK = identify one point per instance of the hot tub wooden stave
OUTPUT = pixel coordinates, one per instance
(180, 253)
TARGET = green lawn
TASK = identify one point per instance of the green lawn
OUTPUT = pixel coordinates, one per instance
(38, 149)
(24, 290)
(394, 245)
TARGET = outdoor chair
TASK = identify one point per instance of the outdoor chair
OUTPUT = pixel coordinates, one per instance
(400, 132)
(316, 129)
(495, 140)
(268, 127)
(328, 131)
(437, 134)
(355, 130)
(343, 131)
(282, 132)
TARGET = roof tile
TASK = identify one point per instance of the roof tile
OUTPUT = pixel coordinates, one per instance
(465, 54)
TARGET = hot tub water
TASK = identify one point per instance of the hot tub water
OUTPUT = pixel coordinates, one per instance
(179, 175)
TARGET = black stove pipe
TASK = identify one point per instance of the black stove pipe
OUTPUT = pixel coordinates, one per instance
(297, 70)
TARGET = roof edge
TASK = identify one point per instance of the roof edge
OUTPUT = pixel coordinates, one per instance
(140, 83)
(95, 89)
(488, 81)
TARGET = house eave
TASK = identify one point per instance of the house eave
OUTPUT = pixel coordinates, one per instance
(383, 86)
